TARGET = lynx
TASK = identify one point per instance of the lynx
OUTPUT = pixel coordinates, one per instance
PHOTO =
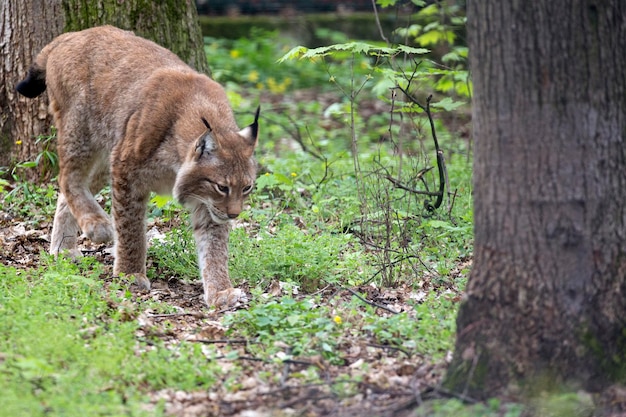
(131, 113)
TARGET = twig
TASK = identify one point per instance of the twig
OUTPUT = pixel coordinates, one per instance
(398, 184)
(252, 358)
(285, 374)
(357, 295)
(165, 315)
(380, 28)
(226, 341)
(452, 203)
(447, 393)
(440, 158)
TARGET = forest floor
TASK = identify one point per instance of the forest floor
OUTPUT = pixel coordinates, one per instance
(372, 379)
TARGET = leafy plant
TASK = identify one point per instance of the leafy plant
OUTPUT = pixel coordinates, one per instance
(286, 328)
(67, 350)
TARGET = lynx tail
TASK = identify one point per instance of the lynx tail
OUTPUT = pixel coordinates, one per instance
(34, 84)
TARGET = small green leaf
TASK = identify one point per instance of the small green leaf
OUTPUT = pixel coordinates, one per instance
(410, 50)
(447, 104)
(160, 200)
(293, 54)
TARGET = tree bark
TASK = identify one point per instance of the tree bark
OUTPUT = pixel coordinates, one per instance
(172, 24)
(546, 298)
(27, 26)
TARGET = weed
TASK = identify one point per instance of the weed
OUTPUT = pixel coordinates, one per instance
(67, 351)
(286, 328)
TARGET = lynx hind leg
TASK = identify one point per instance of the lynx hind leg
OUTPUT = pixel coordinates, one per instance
(81, 177)
(65, 230)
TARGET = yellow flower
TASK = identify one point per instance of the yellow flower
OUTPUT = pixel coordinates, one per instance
(235, 53)
(337, 319)
(18, 142)
(253, 76)
(293, 174)
(267, 174)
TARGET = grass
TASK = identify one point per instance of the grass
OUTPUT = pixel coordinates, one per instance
(320, 237)
(69, 346)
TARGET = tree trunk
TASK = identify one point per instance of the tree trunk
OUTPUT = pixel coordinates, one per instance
(172, 24)
(546, 299)
(27, 26)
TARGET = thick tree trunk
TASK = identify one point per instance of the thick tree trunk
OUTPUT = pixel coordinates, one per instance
(172, 24)
(27, 26)
(546, 299)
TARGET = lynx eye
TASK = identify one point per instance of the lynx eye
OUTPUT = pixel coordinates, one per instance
(247, 189)
(222, 189)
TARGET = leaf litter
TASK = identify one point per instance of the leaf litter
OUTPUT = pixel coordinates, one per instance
(370, 379)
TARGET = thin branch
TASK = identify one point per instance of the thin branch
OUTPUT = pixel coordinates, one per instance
(167, 315)
(357, 295)
(380, 28)
(253, 359)
(398, 184)
(225, 341)
(389, 348)
(440, 158)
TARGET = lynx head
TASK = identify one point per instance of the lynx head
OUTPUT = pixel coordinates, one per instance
(219, 172)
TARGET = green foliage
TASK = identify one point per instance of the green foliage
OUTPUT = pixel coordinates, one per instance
(430, 330)
(69, 348)
(251, 63)
(28, 202)
(457, 408)
(286, 328)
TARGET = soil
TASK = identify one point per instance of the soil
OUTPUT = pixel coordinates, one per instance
(373, 380)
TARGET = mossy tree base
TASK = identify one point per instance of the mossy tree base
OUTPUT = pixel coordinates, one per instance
(546, 299)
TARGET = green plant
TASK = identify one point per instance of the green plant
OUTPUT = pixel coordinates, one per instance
(307, 258)
(251, 63)
(70, 349)
(47, 159)
(286, 328)
(428, 330)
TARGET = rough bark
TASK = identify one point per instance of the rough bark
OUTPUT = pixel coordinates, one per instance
(170, 23)
(546, 299)
(27, 26)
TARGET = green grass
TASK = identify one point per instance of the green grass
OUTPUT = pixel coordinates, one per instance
(68, 347)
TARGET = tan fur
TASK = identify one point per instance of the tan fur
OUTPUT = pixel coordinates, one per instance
(131, 111)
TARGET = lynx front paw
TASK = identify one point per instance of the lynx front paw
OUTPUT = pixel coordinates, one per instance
(142, 282)
(226, 298)
(99, 231)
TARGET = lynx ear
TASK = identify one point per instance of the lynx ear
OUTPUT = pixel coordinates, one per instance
(250, 133)
(206, 143)
(208, 126)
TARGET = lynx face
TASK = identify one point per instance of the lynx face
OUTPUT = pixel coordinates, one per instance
(216, 178)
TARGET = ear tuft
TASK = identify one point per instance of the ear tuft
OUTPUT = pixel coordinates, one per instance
(208, 126)
(251, 132)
